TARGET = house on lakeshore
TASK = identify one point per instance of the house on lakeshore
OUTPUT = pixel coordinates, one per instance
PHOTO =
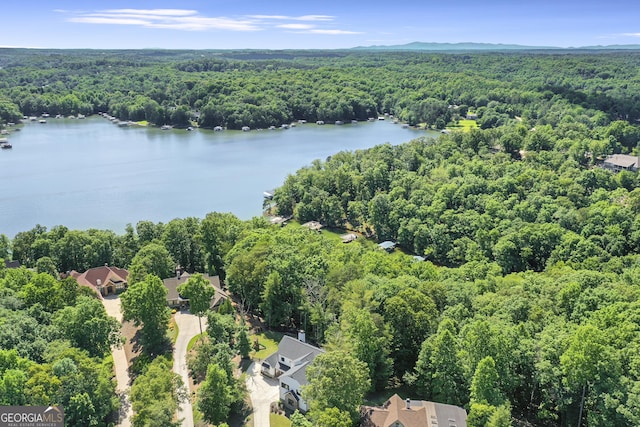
(397, 412)
(289, 365)
(313, 225)
(348, 238)
(620, 162)
(103, 280)
(175, 300)
(387, 245)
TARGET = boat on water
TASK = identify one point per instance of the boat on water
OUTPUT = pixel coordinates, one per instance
(166, 127)
(190, 128)
(5, 145)
(42, 121)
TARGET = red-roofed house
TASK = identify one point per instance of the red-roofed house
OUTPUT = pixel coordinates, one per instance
(104, 280)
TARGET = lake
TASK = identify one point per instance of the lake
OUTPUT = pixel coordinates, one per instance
(93, 174)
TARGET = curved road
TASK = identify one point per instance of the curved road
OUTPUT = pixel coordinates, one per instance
(188, 327)
(263, 391)
(112, 307)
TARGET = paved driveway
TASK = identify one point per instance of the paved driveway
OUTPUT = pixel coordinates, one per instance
(112, 306)
(188, 327)
(263, 391)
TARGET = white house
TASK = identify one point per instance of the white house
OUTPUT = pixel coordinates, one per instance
(289, 365)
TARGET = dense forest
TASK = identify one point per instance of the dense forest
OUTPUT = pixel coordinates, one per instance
(260, 89)
(523, 303)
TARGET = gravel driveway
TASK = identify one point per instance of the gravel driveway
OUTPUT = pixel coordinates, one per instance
(263, 391)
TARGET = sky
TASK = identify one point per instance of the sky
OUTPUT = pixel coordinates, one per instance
(308, 24)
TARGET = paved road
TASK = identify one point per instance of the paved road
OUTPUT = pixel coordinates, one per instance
(263, 391)
(188, 328)
(112, 306)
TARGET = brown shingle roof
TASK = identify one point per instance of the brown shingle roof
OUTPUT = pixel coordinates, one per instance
(104, 274)
(414, 413)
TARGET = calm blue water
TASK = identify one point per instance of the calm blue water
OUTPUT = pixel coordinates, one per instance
(93, 174)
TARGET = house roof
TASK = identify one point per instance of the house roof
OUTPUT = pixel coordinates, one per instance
(102, 275)
(294, 349)
(415, 413)
(348, 238)
(299, 372)
(11, 264)
(622, 160)
(312, 225)
(172, 283)
(299, 352)
(388, 244)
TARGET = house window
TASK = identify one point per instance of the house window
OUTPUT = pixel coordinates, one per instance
(281, 359)
(285, 386)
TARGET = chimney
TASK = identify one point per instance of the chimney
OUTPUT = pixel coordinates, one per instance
(178, 272)
(98, 283)
(408, 406)
(301, 336)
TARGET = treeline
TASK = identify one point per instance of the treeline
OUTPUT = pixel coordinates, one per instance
(260, 89)
(194, 244)
(55, 347)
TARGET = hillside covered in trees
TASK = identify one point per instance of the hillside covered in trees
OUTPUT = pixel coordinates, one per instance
(264, 88)
(525, 310)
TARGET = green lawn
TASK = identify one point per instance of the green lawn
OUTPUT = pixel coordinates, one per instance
(195, 339)
(276, 420)
(173, 331)
(268, 344)
(467, 125)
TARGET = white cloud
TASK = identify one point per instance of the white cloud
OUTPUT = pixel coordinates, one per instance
(294, 18)
(333, 32)
(295, 26)
(154, 12)
(314, 18)
(176, 19)
(631, 34)
(192, 20)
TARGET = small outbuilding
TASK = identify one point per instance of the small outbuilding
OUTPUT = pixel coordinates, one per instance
(313, 225)
(387, 245)
(348, 238)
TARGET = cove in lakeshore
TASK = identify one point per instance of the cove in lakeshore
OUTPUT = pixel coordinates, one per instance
(93, 174)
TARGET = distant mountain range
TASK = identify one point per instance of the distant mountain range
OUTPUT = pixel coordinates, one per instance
(470, 46)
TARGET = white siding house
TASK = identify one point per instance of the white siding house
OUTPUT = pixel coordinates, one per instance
(289, 365)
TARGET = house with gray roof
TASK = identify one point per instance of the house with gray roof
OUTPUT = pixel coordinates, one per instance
(620, 162)
(175, 300)
(387, 245)
(289, 365)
